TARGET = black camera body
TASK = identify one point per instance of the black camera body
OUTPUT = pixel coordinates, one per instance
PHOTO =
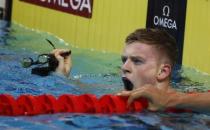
(46, 70)
(52, 65)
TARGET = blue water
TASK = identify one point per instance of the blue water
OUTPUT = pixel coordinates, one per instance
(93, 72)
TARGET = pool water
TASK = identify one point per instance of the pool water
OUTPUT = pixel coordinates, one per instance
(93, 72)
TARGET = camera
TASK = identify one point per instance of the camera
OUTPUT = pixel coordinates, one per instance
(52, 62)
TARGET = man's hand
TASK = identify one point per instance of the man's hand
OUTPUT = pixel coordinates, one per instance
(159, 99)
(64, 62)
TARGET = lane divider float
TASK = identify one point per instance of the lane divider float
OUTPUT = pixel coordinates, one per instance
(87, 103)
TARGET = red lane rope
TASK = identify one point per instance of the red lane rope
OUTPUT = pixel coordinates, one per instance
(86, 103)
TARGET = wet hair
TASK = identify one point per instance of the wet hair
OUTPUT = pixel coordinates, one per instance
(157, 37)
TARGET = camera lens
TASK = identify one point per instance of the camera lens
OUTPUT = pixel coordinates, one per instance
(43, 58)
(26, 62)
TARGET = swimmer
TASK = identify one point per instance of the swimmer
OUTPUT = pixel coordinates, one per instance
(148, 60)
(58, 61)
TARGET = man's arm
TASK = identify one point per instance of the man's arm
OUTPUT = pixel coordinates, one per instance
(199, 102)
(64, 62)
(159, 99)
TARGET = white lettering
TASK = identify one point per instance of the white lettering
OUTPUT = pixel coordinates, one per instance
(170, 22)
(59, 2)
(155, 20)
(161, 22)
(165, 22)
(64, 4)
(85, 4)
(75, 7)
(74, 4)
(174, 25)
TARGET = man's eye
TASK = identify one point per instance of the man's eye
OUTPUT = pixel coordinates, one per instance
(123, 59)
(137, 61)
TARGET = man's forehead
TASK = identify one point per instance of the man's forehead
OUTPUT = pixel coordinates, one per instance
(138, 49)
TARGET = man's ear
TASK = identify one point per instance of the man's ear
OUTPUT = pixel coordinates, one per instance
(164, 72)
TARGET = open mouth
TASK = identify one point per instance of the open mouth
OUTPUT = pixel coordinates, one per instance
(127, 84)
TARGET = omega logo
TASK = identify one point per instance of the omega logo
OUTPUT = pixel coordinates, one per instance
(165, 21)
(166, 10)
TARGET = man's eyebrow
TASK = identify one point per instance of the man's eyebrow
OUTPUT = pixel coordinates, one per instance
(132, 57)
(139, 58)
(136, 57)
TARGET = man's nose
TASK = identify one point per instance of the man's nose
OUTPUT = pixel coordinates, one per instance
(126, 66)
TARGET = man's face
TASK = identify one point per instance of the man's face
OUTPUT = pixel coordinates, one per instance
(141, 64)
